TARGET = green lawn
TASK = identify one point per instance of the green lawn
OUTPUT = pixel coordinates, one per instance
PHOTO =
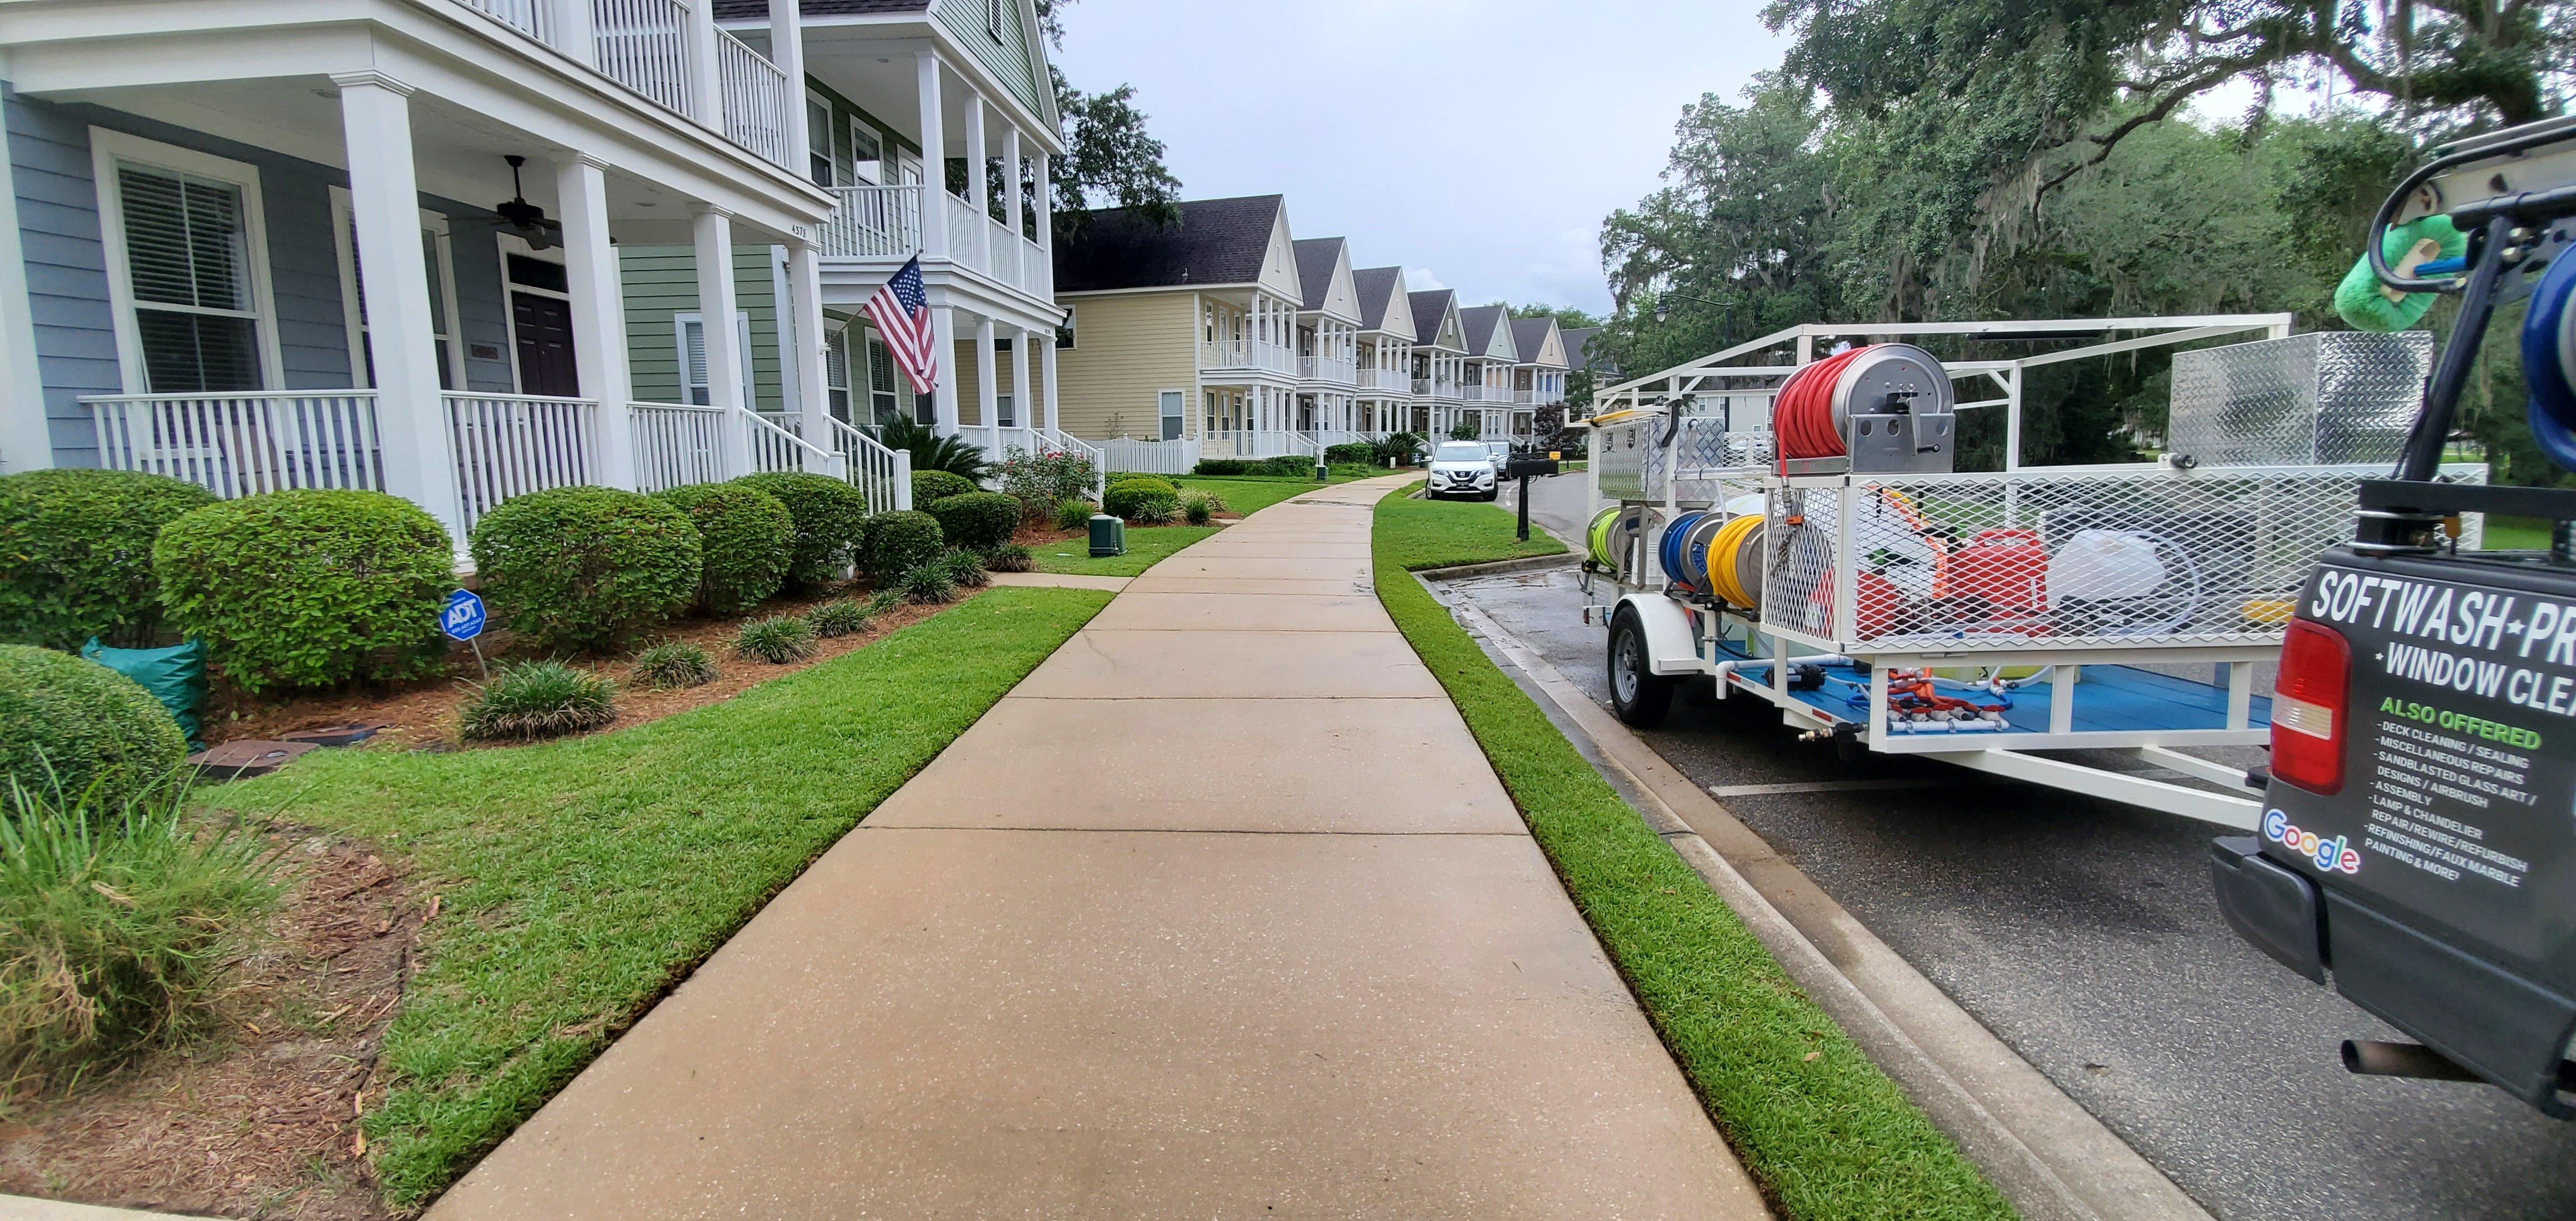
(1146, 545)
(1821, 1128)
(2516, 533)
(580, 881)
(1248, 496)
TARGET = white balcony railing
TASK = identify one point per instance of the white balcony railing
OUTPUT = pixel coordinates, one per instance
(1240, 354)
(644, 45)
(676, 444)
(1037, 271)
(1524, 395)
(756, 98)
(510, 445)
(1386, 379)
(874, 223)
(883, 475)
(1326, 369)
(534, 18)
(244, 444)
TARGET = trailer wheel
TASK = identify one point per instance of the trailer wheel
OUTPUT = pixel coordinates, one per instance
(1640, 696)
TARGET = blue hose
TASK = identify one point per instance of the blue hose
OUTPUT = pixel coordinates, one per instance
(2549, 361)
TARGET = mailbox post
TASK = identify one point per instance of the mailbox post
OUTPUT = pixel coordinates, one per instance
(1523, 466)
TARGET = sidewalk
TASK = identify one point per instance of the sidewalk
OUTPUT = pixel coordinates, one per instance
(1220, 913)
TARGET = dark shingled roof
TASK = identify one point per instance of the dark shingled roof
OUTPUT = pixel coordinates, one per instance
(1376, 286)
(1529, 335)
(1579, 353)
(1428, 306)
(1315, 259)
(758, 10)
(1478, 321)
(1219, 241)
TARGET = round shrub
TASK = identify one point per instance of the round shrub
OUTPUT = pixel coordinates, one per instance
(897, 541)
(542, 699)
(837, 618)
(1151, 481)
(309, 588)
(777, 640)
(929, 487)
(1010, 557)
(674, 663)
(829, 515)
(1350, 453)
(1074, 514)
(76, 554)
(928, 583)
(586, 568)
(746, 538)
(85, 722)
(977, 520)
(1127, 495)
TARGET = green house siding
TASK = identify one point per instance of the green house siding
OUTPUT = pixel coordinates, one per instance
(662, 282)
(1009, 57)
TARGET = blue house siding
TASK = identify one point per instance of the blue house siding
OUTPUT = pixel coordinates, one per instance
(66, 270)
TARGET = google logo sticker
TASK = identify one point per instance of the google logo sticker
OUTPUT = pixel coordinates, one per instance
(2329, 855)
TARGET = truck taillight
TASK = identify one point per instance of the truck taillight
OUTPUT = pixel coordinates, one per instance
(2308, 708)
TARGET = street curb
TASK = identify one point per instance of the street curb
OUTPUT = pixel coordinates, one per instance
(2048, 1155)
(1562, 559)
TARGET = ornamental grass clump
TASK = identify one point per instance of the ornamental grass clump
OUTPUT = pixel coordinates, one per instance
(777, 640)
(965, 568)
(539, 699)
(1200, 506)
(1074, 514)
(674, 664)
(837, 618)
(118, 915)
(884, 601)
(1010, 557)
(927, 584)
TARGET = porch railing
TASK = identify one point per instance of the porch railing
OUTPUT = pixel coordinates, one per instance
(1238, 354)
(1326, 369)
(644, 45)
(244, 444)
(883, 475)
(509, 445)
(1386, 379)
(676, 444)
(874, 222)
(756, 99)
(530, 17)
(774, 449)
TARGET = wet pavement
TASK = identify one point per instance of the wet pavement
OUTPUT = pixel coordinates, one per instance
(2083, 933)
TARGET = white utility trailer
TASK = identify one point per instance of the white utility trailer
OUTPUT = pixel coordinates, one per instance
(1986, 616)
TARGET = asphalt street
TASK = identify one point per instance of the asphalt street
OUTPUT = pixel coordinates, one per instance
(2083, 933)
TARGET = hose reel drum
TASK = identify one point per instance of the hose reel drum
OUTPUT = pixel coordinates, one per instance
(1887, 408)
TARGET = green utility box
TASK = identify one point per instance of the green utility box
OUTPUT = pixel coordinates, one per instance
(1108, 536)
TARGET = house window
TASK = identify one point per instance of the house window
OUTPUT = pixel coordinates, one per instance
(437, 255)
(1004, 411)
(188, 257)
(882, 398)
(836, 374)
(867, 154)
(693, 356)
(1064, 329)
(818, 141)
(1173, 402)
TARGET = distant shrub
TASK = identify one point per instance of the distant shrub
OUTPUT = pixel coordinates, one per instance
(674, 663)
(309, 588)
(1200, 506)
(829, 515)
(1050, 475)
(746, 538)
(928, 583)
(897, 541)
(837, 618)
(538, 699)
(1074, 514)
(932, 486)
(1284, 464)
(76, 554)
(977, 520)
(777, 640)
(965, 568)
(1350, 453)
(77, 723)
(1219, 466)
(1402, 447)
(1010, 557)
(1149, 481)
(586, 568)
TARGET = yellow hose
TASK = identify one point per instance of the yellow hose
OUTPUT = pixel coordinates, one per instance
(1723, 578)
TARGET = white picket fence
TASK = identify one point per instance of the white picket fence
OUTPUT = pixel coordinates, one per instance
(1126, 454)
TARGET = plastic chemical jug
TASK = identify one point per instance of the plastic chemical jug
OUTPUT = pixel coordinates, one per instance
(2100, 564)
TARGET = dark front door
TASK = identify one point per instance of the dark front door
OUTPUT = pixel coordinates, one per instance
(544, 327)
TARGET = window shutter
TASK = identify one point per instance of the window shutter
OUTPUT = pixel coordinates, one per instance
(693, 362)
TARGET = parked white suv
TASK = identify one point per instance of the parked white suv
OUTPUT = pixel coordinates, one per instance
(1462, 469)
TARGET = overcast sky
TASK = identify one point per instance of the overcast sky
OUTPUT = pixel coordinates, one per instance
(1478, 143)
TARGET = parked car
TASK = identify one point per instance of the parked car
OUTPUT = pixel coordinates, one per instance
(1463, 469)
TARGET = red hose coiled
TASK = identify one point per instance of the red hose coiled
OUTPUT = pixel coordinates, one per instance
(1803, 414)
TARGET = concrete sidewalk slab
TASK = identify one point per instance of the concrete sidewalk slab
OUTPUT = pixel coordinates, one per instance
(1274, 547)
(1150, 584)
(1217, 565)
(1234, 612)
(1285, 766)
(1059, 580)
(1231, 665)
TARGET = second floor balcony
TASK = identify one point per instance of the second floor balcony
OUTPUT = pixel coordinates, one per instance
(1232, 353)
(671, 53)
(1386, 379)
(1327, 369)
(886, 223)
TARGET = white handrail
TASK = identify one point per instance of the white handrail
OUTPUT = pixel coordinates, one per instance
(676, 444)
(775, 449)
(883, 475)
(512, 444)
(1068, 443)
(755, 99)
(243, 444)
(643, 45)
(530, 17)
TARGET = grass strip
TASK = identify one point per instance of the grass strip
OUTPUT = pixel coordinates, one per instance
(581, 880)
(1250, 495)
(1825, 1133)
(1146, 547)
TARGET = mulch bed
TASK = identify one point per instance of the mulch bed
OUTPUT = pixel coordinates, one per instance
(257, 1114)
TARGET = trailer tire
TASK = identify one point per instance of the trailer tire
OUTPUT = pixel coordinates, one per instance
(1640, 696)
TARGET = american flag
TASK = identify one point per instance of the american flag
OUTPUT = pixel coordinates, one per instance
(901, 311)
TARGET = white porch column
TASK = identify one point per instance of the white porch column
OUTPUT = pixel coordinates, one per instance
(1044, 207)
(1023, 409)
(706, 86)
(598, 313)
(787, 50)
(1046, 354)
(384, 209)
(985, 388)
(934, 162)
(1011, 176)
(26, 440)
(981, 240)
(712, 229)
(943, 326)
(805, 290)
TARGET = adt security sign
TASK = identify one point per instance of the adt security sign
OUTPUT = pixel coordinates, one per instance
(462, 617)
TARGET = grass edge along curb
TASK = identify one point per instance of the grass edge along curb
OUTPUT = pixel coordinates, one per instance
(1823, 1131)
(584, 880)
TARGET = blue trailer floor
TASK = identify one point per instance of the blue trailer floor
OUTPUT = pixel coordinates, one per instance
(2108, 699)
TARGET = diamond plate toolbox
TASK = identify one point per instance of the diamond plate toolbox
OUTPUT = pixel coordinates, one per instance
(2329, 398)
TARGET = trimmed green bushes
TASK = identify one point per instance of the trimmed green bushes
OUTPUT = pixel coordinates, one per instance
(76, 554)
(829, 515)
(898, 541)
(1212, 466)
(77, 723)
(930, 487)
(746, 538)
(309, 588)
(585, 568)
(1350, 453)
(1141, 498)
(977, 521)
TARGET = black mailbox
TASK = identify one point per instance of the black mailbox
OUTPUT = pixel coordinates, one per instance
(1529, 466)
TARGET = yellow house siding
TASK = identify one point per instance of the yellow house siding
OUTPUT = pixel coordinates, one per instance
(1129, 348)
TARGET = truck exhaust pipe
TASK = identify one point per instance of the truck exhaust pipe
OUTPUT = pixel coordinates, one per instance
(2370, 1058)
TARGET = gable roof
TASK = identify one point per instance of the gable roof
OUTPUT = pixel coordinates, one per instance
(1430, 308)
(1480, 323)
(1379, 289)
(1576, 341)
(1219, 241)
(1317, 257)
(1017, 58)
(1529, 338)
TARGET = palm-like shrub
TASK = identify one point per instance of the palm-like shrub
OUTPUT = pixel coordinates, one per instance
(747, 539)
(586, 568)
(674, 663)
(839, 617)
(965, 568)
(76, 554)
(1010, 557)
(1074, 514)
(538, 699)
(932, 452)
(777, 640)
(928, 584)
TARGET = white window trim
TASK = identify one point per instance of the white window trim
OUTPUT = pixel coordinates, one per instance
(1160, 398)
(510, 244)
(831, 134)
(353, 319)
(680, 345)
(106, 147)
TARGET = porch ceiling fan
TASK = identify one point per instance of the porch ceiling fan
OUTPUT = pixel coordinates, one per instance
(524, 218)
